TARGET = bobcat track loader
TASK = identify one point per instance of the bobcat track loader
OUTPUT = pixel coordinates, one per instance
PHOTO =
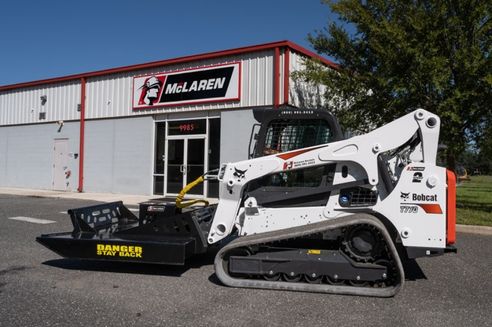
(309, 211)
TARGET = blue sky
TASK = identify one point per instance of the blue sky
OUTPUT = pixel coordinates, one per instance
(43, 39)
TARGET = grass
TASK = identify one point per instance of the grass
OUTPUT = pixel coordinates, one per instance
(474, 201)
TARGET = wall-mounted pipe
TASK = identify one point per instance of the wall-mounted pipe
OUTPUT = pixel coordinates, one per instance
(82, 135)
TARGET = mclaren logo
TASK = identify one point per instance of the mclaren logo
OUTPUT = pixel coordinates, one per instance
(207, 84)
(150, 90)
(194, 85)
(201, 85)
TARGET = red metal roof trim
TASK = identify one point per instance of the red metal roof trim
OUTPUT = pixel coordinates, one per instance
(311, 54)
(204, 56)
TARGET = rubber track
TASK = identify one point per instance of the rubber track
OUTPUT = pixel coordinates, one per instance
(305, 230)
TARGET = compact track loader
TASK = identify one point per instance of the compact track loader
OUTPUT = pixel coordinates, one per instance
(309, 211)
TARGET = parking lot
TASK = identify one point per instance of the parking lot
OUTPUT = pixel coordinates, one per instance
(38, 288)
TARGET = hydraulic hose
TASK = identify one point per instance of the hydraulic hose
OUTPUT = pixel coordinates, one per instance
(185, 190)
(179, 199)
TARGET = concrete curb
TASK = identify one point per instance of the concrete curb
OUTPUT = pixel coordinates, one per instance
(473, 229)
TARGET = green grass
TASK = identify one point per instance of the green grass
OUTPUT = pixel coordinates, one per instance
(474, 201)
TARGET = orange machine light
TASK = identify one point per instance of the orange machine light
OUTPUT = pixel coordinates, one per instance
(451, 207)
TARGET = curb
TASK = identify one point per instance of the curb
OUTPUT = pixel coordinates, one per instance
(474, 229)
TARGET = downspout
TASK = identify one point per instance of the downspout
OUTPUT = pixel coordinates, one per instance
(286, 75)
(276, 78)
(82, 135)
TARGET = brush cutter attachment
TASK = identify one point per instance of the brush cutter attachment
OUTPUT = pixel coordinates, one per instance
(161, 234)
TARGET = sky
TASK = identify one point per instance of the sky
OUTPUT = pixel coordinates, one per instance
(52, 38)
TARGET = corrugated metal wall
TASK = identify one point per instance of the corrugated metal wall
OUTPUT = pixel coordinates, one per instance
(22, 106)
(26, 155)
(111, 96)
(118, 156)
(119, 152)
(302, 94)
(239, 124)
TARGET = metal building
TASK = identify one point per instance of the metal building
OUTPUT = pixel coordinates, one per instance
(148, 128)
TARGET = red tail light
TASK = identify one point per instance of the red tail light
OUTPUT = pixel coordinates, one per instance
(451, 208)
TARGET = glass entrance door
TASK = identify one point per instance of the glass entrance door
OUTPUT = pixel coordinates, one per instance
(185, 163)
(175, 165)
(195, 165)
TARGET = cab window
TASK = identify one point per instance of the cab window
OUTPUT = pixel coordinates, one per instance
(286, 135)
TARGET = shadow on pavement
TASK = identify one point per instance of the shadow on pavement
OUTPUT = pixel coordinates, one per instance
(215, 280)
(413, 270)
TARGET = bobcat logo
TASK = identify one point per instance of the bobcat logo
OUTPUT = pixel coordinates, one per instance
(405, 196)
(239, 173)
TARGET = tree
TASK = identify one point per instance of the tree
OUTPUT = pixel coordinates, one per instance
(401, 55)
(484, 157)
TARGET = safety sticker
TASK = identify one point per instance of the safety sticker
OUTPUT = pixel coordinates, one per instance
(119, 250)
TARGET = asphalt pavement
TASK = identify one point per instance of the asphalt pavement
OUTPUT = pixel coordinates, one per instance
(38, 288)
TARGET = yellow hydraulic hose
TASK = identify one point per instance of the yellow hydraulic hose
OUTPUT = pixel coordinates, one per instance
(183, 192)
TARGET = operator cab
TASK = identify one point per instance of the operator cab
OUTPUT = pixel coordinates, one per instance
(286, 129)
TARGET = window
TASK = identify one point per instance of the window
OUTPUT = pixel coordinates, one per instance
(160, 142)
(286, 135)
(187, 127)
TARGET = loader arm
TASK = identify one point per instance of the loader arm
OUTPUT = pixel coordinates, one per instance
(362, 150)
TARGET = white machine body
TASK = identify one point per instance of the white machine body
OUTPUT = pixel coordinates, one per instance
(416, 206)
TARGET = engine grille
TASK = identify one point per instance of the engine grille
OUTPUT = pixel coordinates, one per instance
(357, 197)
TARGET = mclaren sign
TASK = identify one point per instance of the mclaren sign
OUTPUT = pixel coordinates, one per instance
(210, 84)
